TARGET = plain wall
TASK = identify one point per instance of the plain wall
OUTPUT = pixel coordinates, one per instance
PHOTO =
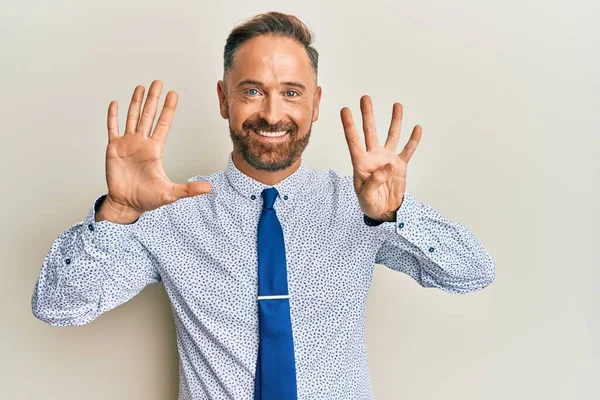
(506, 93)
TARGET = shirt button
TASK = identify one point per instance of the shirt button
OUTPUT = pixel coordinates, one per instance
(253, 197)
(431, 249)
(285, 197)
(401, 225)
(68, 261)
(91, 226)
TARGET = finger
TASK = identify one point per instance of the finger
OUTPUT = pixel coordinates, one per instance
(149, 112)
(354, 145)
(133, 114)
(378, 178)
(112, 121)
(165, 120)
(410, 147)
(181, 190)
(394, 132)
(368, 120)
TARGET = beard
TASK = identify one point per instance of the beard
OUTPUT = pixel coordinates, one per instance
(269, 156)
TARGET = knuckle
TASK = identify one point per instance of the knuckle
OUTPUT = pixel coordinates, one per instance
(147, 114)
(163, 124)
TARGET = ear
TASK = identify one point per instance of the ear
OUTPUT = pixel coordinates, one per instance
(317, 101)
(223, 108)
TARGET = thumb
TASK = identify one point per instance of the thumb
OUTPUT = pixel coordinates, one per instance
(190, 189)
(378, 177)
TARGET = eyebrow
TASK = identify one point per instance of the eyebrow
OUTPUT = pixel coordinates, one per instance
(259, 83)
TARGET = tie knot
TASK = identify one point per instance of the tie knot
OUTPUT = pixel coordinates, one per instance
(269, 195)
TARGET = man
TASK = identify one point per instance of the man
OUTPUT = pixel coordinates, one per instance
(267, 263)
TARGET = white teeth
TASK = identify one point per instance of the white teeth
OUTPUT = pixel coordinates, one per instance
(271, 134)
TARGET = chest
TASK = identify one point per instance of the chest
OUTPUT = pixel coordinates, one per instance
(212, 266)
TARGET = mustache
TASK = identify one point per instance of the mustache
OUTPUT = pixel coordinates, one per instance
(262, 125)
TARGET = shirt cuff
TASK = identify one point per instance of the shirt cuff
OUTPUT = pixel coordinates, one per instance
(410, 227)
(105, 232)
(407, 216)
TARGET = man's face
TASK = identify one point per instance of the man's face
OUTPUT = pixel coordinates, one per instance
(271, 89)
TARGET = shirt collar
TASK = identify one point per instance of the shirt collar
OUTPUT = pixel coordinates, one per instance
(248, 187)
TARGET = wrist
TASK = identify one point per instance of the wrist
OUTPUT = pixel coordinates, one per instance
(385, 217)
(371, 221)
(115, 212)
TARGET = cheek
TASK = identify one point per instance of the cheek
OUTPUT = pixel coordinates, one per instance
(302, 118)
(238, 115)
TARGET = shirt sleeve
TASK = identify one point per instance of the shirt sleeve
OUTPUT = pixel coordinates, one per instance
(92, 267)
(434, 251)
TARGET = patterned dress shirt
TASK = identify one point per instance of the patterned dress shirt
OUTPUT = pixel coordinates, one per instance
(203, 250)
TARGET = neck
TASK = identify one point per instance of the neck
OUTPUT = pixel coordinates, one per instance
(267, 177)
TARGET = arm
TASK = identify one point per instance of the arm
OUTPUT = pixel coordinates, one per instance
(91, 268)
(434, 251)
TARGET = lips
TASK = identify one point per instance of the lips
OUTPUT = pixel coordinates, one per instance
(264, 136)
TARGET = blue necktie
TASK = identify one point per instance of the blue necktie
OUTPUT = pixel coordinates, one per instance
(275, 364)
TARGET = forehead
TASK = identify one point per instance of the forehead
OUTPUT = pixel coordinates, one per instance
(271, 59)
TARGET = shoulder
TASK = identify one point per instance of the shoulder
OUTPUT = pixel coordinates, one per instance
(183, 208)
(330, 186)
(333, 193)
(218, 183)
(339, 184)
(216, 178)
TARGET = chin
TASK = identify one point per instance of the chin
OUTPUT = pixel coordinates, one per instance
(266, 163)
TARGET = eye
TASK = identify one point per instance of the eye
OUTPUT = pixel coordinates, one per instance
(292, 91)
(251, 90)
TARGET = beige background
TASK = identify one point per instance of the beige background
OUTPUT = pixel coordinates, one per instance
(506, 92)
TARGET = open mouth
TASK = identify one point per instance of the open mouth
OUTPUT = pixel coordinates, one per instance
(271, 135)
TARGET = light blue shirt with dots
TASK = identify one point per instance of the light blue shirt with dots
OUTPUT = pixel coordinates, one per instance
(203, 250)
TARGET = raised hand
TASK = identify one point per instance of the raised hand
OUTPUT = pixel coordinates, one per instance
(379, 173)
(135, 175)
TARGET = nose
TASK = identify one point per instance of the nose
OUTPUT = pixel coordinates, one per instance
(271, 110)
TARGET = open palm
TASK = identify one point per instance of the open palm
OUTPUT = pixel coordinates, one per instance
(135, 175)
(379, 173)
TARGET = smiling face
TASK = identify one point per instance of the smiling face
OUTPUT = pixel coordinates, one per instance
(271, 99)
